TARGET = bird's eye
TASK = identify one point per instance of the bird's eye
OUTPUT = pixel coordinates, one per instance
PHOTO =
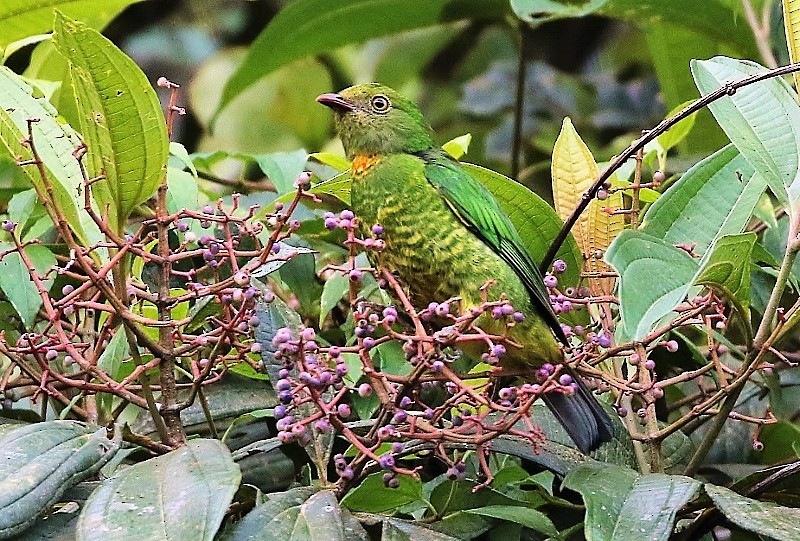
(380, 103)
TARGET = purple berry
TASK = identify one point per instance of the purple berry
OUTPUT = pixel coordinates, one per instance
(672, 346)
(67, 289)
(377, 229)
(8, 225)
(303, 180)
(550, 281)
(565, 379)
(343, 410)
(559, 266)
(386, 462)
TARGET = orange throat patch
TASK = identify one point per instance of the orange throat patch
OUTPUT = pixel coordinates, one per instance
(363, 163)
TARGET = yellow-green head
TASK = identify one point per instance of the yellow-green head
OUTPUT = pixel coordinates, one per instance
(373, 119)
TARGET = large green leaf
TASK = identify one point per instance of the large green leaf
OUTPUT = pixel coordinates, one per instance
(16, 283)
(762, 120)
(306, 27)
(55, 142)
(181, 495)
(38, 462)
(656, 276)
(300, 514)
(121, 118)
(708, 201)
(764, 518)
(622, 505)
(22, 18)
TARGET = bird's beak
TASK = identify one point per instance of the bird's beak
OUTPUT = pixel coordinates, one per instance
(335, 102)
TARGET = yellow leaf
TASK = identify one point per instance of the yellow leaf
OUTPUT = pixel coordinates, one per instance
(791, 21)
(574, 169)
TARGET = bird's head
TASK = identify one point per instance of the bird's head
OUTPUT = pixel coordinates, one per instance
(374, 119)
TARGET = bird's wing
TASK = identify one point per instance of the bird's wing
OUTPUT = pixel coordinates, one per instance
(478, 210)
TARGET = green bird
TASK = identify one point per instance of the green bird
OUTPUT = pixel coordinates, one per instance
(446, 236)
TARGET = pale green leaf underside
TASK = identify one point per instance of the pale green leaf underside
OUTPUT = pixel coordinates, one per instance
(708, 201)
(762, 120)
(656, 276)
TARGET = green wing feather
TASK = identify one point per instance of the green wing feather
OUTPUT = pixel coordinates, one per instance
(479, 211)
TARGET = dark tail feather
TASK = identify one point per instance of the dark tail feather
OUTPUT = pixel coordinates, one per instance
(581, 415)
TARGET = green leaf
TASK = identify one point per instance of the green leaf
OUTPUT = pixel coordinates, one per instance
(706, 202)
(679, 131)
(762, 120)
(121, 119)
(536, 221)
(42, 460)
(55, 143)
(282, 168)
(459, 146)
(179, 152)
(303, 28)
(728, 269)
(764, 518)
(331, 160)
(22, 18)
(300, 514)
(16, 283)
(405, 530)
(182, 191)
(21, 207)
(371, 496)
(622, 505)
(332, 292)
(638, 257)
(530, 518)
(338, 187)
(183, 494)
(110, 362)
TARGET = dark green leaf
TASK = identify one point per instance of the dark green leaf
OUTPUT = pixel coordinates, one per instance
(372, 496)
(181, 495)
(764, 518)
(42, 460)
(530, 518)
(622, 505)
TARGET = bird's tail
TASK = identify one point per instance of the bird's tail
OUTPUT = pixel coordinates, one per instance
(581, 415)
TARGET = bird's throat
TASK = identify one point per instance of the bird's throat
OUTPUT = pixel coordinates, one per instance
(363, 163)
